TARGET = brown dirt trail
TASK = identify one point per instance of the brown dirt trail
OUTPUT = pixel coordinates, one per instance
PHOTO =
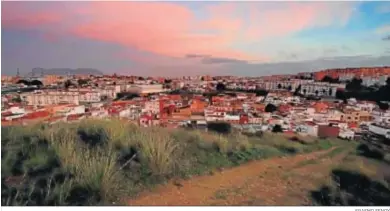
(264, 182)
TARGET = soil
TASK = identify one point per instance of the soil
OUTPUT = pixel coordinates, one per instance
(276, 181)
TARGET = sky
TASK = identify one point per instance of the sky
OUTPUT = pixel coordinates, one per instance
(194, 38)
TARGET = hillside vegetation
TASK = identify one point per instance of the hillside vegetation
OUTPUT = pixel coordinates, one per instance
(100, 162)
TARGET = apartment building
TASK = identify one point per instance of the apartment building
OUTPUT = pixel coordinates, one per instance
(381, 116)
(146, 88)
(153, 106)
(42, 98)
(90, 96)
(355, 116)
(321, 89)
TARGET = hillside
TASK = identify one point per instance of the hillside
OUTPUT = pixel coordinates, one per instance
(64, 71)
(103, 162)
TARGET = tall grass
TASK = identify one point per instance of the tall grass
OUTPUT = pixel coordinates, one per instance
(102, 161)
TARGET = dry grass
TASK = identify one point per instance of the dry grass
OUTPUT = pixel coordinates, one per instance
(90, 151)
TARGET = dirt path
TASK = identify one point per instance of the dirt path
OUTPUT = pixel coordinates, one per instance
(266, 182)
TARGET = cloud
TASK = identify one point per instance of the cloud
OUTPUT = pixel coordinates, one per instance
(207, 59)
(196, 56)
(386, 38)
(173, 30)
(305, 66)
(330, 50)
(303, 15)
(383, 29)
(383, 8)
(211, 60)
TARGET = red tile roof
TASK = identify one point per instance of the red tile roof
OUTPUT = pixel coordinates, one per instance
(36, 115)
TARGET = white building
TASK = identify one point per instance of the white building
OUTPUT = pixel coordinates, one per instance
(146, 89)
(381, 116)
(378, 129)
(90, 97)
(321, 89)
(42, 98)
(152, 106)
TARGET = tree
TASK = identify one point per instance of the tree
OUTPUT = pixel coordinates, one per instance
(304, 91)
(82, 82)
(289, 88)
(67, 84)
(277, 129)
(279, 86)
(330, 92)
(330, 79)
(167, 81)
(36, 83)
(103, 98)
(270, 108)
(298, 90)
(383, 106)
(17, 99)
(141, 78)
(220, 87)
(23, 82)
(316, 92)
(354, 85)
(219, 127)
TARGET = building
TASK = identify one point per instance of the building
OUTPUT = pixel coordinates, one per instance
(146, 89)
(355, 116)
(42, 98)
(90, 97)
(326, 131)
(50, 79)
(321, 89)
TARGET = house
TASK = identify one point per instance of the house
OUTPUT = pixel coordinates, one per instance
(145, 120)
(327, 131)
(347, 134)
(308, 128)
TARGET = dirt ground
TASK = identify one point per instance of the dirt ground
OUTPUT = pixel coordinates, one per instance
(276, 181)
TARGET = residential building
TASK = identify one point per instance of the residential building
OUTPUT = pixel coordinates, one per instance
(42, 98)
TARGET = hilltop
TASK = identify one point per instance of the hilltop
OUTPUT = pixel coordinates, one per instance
(64, 71)
(105, 162)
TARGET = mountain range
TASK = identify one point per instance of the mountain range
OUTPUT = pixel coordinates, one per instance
(64, 71)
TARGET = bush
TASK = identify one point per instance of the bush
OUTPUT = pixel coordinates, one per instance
(219, 127)
(277, 129)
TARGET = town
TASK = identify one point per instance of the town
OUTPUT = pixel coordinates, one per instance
(307, 104)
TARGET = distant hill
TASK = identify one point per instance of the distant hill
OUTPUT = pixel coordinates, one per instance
(64, 71)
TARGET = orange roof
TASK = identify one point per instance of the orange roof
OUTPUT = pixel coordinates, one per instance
(36, 115)
(74, 117)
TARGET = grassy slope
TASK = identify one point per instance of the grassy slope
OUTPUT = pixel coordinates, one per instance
(99, 161)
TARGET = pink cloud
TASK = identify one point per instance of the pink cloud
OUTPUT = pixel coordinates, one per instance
(148, 27)
(21, 18)
(172, 30)
(293, 17)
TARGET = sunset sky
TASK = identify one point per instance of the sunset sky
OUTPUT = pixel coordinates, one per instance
(193, 38)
